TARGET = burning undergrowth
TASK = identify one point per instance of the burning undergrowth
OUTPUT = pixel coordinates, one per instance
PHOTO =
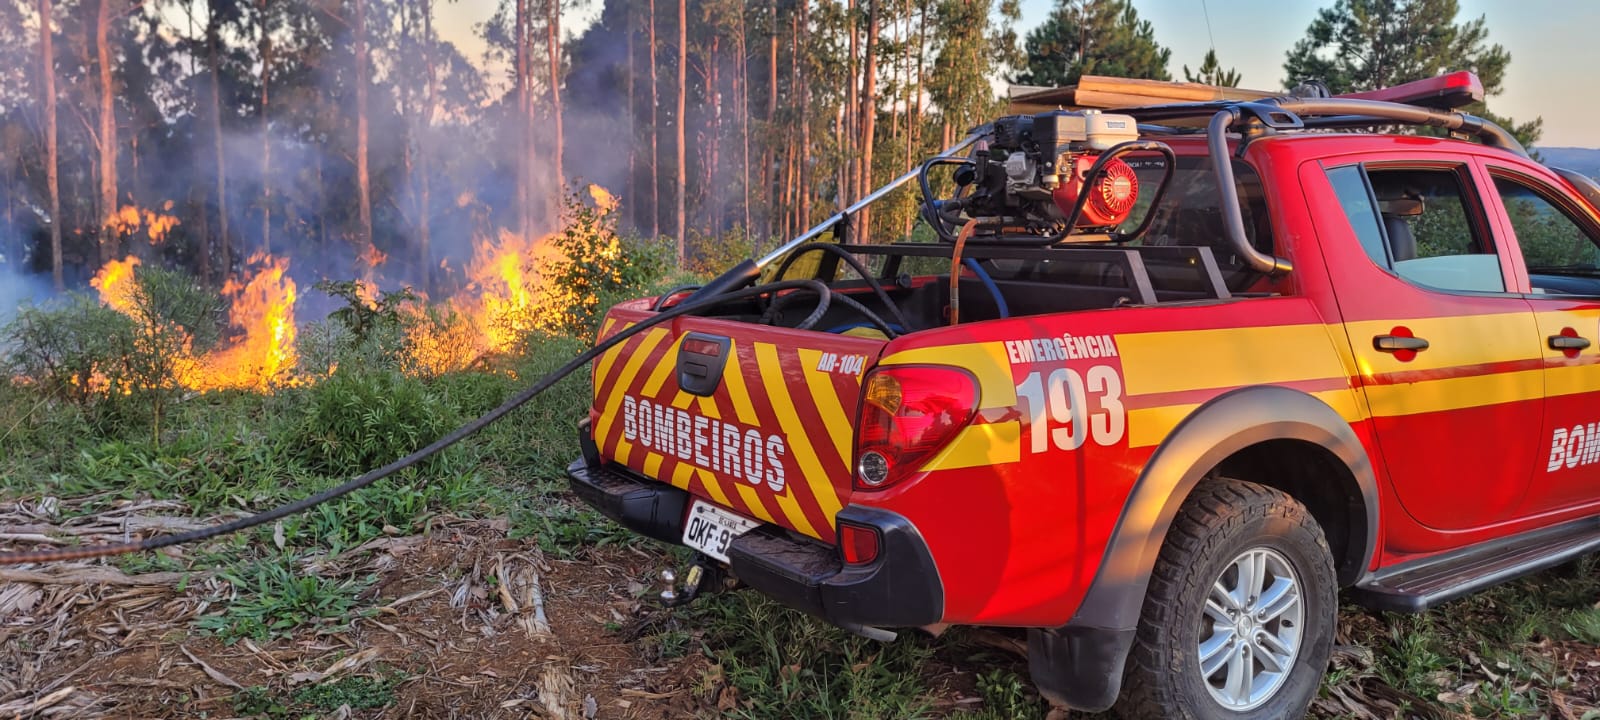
(254, 334)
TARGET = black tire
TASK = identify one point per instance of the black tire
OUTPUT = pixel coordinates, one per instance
(1225, 520)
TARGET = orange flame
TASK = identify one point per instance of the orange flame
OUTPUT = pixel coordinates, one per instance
(117, 287)
(261, 314)
(128, 220)
(506, 298)
(373, 257)
(262, 311)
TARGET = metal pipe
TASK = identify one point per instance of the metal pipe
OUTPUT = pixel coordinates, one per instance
(1232, 214)
(893, 185)
(1490, 133)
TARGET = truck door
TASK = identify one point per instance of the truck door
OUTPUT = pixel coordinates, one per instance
(1449, 357)
(1558, 240)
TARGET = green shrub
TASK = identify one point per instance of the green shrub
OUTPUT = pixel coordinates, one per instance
(597, 264)
(74, 349)
(274, 597)
(358, 420)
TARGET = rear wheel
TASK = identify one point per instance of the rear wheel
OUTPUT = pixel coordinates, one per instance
(1239, 618)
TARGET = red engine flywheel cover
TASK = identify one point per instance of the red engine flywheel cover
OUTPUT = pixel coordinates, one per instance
(1111, 198)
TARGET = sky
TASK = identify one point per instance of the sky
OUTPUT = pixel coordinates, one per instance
(1553, 44)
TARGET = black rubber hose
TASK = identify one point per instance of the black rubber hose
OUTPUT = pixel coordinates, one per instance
(773, 308)
(455, 436)
(856, 265)
(875, 319)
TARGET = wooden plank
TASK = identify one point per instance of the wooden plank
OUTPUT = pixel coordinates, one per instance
(1168, 91)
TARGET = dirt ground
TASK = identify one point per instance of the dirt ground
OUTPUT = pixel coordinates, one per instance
(480, 626)
(459, 622)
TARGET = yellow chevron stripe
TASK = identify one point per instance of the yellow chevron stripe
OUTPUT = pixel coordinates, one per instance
(752, 500)
(608, 417)
(1172, 361)
(1576, 379)
(980, 445)
(603, 365)
(659, 374)
(799, 444)
(1150, 426)
(826, 397)
(733, 382)
(652, 465)
(714, 488)
(680, 475)
(987, 361)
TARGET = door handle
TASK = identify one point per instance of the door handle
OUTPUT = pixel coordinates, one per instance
(1398, 343)
(1567, 342)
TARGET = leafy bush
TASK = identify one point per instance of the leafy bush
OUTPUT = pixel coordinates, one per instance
(362, 419)
(597, 265)
(712, 254)
(117, 364)
(74, 350)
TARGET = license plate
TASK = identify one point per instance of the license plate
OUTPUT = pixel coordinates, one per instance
(711, 529)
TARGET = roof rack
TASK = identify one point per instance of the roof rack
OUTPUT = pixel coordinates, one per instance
(1421, 107)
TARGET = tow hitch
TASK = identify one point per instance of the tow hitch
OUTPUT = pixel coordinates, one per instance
(702, 573)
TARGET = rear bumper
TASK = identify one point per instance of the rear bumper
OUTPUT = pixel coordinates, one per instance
(901, 588)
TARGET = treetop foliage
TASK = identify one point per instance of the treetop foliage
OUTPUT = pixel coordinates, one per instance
(1093, 37)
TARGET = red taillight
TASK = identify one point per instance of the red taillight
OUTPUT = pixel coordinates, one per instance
(700, 346)
(907, 415)
(858, 544)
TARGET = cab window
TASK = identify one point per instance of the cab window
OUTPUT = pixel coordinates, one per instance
(1561, 254)
(1420, 224)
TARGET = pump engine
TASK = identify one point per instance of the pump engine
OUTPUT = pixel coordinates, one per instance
(1030, 171)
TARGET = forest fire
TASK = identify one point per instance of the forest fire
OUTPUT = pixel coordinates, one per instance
(262, 310)
(504, 298)
(261, 318)
(131, 219)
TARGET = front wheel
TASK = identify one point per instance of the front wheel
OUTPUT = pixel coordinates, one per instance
(1239, 618)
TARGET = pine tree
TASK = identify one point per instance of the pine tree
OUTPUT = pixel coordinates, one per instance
(1093, 37)
(1211, 72)
(1368, 44)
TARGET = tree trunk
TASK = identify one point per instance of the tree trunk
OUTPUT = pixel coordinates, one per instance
(524, 162)
(264, 43)
(425, 221)
(655, 133)
(363, 182)
(213, 40)
(852, 101)
(742, 77)
(553, 44)
(914, 107)
(803, 89)
(683, 91)
(110, 245)
(714, 218)
(630, 187)
(47, 69)
(770, 141)
(869, 117)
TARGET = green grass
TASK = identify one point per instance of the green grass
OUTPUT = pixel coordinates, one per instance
(277, 597)
(359, 692)
(786, 665)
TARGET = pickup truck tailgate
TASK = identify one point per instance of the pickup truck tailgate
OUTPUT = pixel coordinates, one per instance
(757, 419)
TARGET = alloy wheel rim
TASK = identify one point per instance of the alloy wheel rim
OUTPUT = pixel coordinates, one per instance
(1250, 629)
